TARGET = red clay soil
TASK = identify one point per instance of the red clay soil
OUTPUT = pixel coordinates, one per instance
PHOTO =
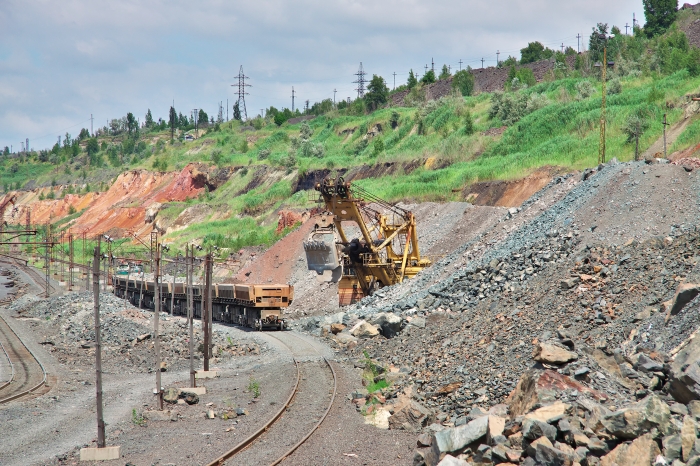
(508, 193)
(276, 264)
(122, 208)
(48, 210)
(187, 184)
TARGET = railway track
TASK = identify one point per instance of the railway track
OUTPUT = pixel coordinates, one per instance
(38, 279)
(27, 373)
(306, 407)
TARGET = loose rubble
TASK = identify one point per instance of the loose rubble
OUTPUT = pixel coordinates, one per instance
(67, 326)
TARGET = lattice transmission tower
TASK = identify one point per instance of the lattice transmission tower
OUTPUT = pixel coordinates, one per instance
(360, 82)
(242, 93)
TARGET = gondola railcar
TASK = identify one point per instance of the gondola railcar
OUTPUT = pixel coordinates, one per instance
(252, 305)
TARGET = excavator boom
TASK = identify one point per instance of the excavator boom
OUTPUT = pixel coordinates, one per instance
(384, 252)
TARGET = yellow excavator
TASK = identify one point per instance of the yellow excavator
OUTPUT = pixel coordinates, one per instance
(384, 252)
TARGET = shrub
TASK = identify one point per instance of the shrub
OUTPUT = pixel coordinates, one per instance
(468, 124)
(71, 210)
(463, 81)
(378, 146)
(511, 107)
(615, 87)
(263, 154)
(584, 89)
(394, 119)
(216, 156)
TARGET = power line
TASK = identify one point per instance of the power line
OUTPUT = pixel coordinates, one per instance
(241, 92)
(360, 82)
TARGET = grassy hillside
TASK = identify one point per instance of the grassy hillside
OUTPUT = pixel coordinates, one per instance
(454, 141)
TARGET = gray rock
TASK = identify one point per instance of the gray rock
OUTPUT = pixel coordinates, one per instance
(171, 395)
(533, 429)
(388, 323)
(684, 377)
(417, 321)
(456, 438)
(412, 417)
(190, 398)
(672, 447)
(550, 456)
(641, 417)
(685, 294)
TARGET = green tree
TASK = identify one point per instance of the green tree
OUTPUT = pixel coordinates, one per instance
(660, 14)
(634, 127)
(510, 61)
(445, 72)
(429, 77)
(131, 124)
(173, 121)
(597, 42)
(236, 111)
(533, 52)
(149, 119)
(468, 124)
(93, 147)
(412, 81)
(464, 82)
(202, 118)
(84, 134)
(377, 92)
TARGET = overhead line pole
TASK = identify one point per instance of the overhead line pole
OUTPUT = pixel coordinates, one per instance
(156, 329)
(98, 346)
(190, 311)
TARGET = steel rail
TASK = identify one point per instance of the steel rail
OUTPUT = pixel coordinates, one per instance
(12, 367)
(330, 405)
(249, 440)
(33, 274)
(43, 369)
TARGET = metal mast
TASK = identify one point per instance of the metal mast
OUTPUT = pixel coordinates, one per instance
(360, 82)
(241, 92)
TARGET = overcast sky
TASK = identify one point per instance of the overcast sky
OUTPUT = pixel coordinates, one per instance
(61, 61)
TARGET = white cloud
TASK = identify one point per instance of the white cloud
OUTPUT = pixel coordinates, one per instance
(62, 61)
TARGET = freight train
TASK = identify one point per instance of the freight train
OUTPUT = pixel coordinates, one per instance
(256, 306)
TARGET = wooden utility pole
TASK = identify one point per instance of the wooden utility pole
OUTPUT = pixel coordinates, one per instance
(98, 347)
(70, 262)
(665, 124)
(206, 310)
(601, 144)
(172, 293)
(189, 264)
(156, 330)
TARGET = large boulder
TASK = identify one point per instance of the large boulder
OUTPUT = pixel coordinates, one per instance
(684, 294)
(540, 388)
(641, 452)
(641, 417)
(534, 429)
(171, 395)
(553, 354)
(364, 330)
(685, 373)
(550, 456)
(388, 323)
(456, 438)
(412, 417)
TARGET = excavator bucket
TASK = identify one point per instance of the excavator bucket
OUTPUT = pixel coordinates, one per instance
(322, 256)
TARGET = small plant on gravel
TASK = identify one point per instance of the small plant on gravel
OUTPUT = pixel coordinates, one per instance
(136, 418)
(254, 387)
(371, 374)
